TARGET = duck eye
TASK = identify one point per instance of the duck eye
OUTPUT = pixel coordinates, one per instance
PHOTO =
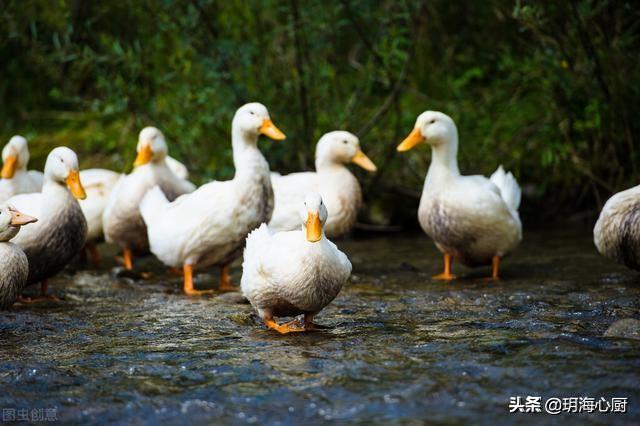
(61, 160)
(252, 113)
(345, 141)
(432, 121)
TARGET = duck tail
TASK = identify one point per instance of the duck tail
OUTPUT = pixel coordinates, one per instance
(152, 203)
(257, 240)
(257, 245)
(509, 188)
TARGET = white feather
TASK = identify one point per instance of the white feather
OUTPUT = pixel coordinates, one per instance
(285, 267)
(509, 188)
(98, 184)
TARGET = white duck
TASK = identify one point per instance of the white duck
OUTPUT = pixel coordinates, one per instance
(98, 184)
(338, 187)
(470, 218)
(15, 178)
(61, 230)
(209, 226)
(617, 231)
(295, 272)
(14, 266)
(122, 222)
(177, 168)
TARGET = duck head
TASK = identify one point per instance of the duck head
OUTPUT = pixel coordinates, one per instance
(152, 147)
(10, 222)
(15, 156)
(253, 119)
(314, 215)
(432, 127)
(62, 167)
(342, 147)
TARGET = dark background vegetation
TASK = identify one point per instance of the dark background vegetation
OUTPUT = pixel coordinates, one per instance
(549, 89)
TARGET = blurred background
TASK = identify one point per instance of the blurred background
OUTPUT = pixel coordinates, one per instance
(548, 89)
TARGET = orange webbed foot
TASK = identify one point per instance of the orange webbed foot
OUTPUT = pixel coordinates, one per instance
(444, 277)
(225, 281)
(290, 327)
(43, 297)
(189, 290)
(38, 299)
(495, 270)
(192, 292)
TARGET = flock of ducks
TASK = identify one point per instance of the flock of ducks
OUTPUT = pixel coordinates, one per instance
(280, 224)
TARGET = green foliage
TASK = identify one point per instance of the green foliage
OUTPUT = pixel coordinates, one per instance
(549, 89)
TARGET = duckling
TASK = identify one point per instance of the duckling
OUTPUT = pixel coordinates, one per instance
(338, 187)
(209, 226)
(15, 178)
(122, 222)
(617, 231)
(61, 230)
(294, 272)
(470, 218)
(14, 266)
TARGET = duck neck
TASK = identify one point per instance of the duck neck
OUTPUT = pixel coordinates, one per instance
(444, 162)
(54, 188)
(20, 171)
(248, 161)
(325, 164)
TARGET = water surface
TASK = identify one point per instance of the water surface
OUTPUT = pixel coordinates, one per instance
(403, 348)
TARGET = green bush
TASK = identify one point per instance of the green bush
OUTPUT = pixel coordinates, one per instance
(549, 89)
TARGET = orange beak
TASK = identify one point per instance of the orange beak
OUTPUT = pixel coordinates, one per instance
(363, 161)
(74, 184)
(20, 219)
(9, 167)
(270, 130)
(144, 156)
(314, 228)
(414, 138)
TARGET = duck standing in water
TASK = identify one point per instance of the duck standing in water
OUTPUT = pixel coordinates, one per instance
(122, 221)
(338, 187)
(617, 231)
(14, 177)
(295, 272)
(61, 230)
(209, 226)
(98, 183)
(14, 265)
(470, 218)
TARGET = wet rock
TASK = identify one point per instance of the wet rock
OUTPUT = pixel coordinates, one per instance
(235, 298)
(628, 328)
(409, 267)
(120, 272)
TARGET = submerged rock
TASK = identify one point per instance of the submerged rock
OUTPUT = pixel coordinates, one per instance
(628, 328)
(233, 298)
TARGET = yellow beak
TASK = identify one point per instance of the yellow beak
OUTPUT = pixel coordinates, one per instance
(144, 156)
(363, 161)
(9, 167)
(19, 219)
(314, 228)
(74, 184)
(270, 130)
(414, 138)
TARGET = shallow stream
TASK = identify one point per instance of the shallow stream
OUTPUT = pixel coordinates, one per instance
(402, 348)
